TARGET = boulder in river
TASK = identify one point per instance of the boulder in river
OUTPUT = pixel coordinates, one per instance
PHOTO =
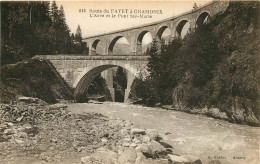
(185, 159)
(128, 156)
(102, 156)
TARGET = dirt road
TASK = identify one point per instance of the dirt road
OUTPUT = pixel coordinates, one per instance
(201, 136)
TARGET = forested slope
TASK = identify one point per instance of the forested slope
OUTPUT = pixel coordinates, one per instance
(36, 28)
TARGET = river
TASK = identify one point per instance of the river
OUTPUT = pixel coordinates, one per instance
(197, 135)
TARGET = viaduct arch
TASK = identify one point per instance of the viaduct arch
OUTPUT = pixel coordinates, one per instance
(203, 16)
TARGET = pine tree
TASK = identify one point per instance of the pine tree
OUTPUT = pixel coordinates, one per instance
(154, 59)
(78, 35)
(62, 20)
(61, 35)
(63, 32)
(17, 16)
(72, 36)
(54, 14)
(46, 11)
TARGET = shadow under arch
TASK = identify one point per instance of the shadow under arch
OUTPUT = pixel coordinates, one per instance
(87, 76)
(94, 47)
(180, 26)
(161, 31)
(113, 43)
(140, 37)
(203, 18)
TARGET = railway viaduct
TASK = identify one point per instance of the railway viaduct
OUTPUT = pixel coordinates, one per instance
(79, 70)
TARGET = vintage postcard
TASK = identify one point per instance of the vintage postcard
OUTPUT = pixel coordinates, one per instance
(121, 82)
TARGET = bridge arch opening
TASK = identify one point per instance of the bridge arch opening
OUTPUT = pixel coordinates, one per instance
(88, 76)
(143, 42)
(183, 28)
(119, 46)
(203, 18)
(112, 81)
(94, 47)
(164, 33)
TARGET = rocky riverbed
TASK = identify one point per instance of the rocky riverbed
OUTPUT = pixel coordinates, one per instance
(189, 134)
(40, 133)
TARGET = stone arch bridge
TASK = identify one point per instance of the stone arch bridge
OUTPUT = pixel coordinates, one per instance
(79, 70)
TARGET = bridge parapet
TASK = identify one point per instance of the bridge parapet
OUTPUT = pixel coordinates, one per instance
(99, 57)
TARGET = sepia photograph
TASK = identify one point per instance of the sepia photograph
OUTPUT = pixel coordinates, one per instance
(130, 82)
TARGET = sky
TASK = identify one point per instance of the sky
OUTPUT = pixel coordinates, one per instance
(94, 26)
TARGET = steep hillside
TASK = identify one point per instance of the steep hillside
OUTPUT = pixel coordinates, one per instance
(33, 78)
(233, 83)
(214, 70)
(236, 81)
